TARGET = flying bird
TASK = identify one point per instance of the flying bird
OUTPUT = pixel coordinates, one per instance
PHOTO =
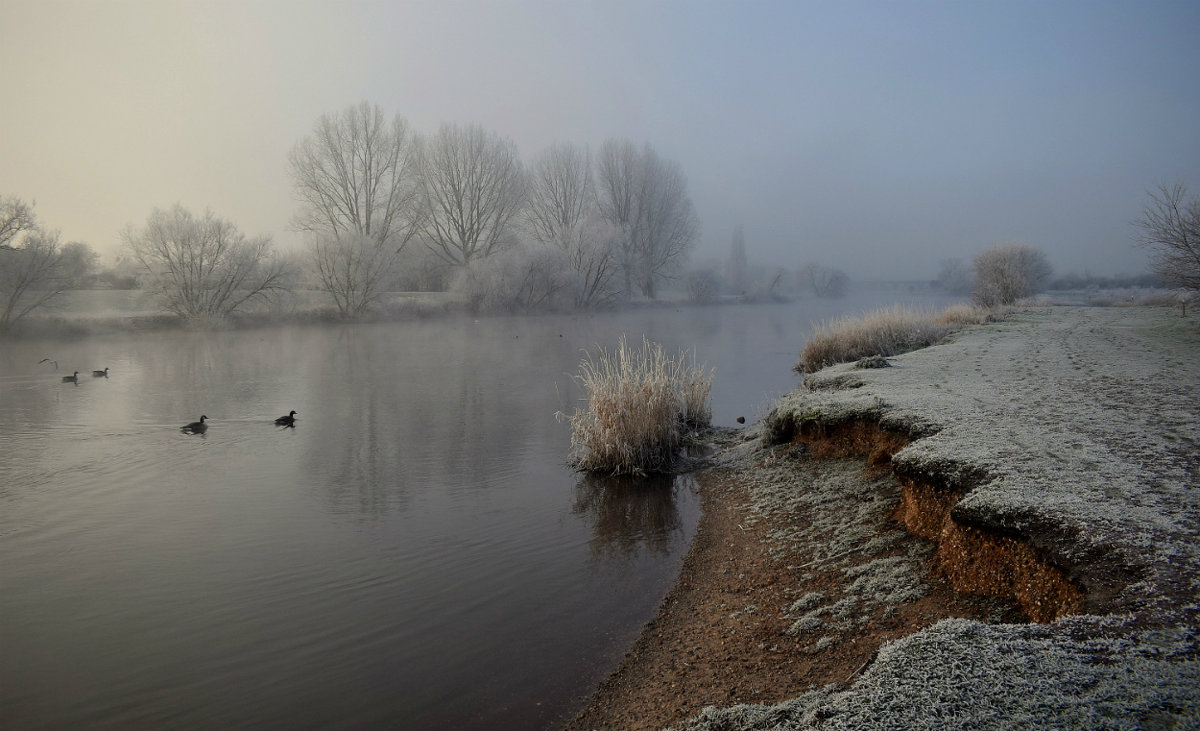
(196, 427)
(48, 360)
(289, 420)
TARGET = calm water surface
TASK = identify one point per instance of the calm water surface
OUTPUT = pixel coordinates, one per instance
(413, 554)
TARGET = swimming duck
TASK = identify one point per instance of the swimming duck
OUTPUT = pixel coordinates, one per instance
(196, 427)
(101, 373)
(289, 420)
(74, 378)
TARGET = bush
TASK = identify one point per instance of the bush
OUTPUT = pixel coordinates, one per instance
(524, 278)
(1009, 272)
(703, 286)
(883, 332)
(639, 404)
(824, 281)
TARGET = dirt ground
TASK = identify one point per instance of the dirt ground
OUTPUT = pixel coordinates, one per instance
(722, 635)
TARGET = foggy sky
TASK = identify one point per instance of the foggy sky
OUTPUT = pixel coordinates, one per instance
(878, 137)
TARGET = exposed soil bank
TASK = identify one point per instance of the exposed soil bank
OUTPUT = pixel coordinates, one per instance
(1055, 459)
(975, 561)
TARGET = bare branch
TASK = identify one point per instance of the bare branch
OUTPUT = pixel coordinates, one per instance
(1170, 228)
(204, 266)
(472, 186)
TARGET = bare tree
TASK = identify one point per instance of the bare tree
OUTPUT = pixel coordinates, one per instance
(352, 269)
(1008, 272)
(560, 194)
(16, 217)
(356, 178)
(619, 169)
(561, 211)
(667, 224)
(472, 185)
(30, 276)
(1170, 228)
(645, 197)
(203, 266)
(32, 267)
(703, 286)
(824, 281)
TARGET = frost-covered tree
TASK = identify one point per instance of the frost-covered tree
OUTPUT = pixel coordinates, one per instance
(356, 179)
(526, 277)
(203, 266)
(1006, 273)
(562, 211)
(33, 268)
(1170, 228)
(472, 185)
(645, 198)
(824, 281)
(703, 286)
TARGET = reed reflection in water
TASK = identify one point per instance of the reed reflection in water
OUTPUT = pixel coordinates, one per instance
(628, 514)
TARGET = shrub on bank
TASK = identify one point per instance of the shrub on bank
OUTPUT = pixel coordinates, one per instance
(884, 332)
(640, 402)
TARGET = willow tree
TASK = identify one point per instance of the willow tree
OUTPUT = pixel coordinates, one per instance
(356, 179)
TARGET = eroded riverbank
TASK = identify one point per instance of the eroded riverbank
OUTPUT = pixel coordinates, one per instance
(1061, 443)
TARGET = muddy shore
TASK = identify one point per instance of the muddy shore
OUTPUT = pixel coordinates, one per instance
(996, 532)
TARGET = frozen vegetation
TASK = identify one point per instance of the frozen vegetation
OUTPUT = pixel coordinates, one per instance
(1077, 431)
(641, 404)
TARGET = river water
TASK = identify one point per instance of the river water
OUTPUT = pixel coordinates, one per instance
(414, 553)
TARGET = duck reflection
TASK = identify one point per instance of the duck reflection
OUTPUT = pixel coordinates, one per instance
(629, 513)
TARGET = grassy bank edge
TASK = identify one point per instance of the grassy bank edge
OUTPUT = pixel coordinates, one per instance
(886, 332)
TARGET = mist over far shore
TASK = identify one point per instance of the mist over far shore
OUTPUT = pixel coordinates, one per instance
(876, 138)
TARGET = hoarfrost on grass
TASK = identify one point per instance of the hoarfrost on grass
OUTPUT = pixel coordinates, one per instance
(1074, 429)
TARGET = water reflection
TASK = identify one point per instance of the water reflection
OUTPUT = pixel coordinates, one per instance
(628, 513)
(414, 554)
(360, 468)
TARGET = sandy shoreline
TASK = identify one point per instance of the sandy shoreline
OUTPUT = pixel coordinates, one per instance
(1068, 439)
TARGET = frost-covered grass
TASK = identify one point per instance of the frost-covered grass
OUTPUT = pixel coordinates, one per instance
(884, 332)
(640, 403)
(1076, 430)
(1078, 673)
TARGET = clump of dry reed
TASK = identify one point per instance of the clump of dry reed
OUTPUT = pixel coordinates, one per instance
(885, 332)
(640, 402)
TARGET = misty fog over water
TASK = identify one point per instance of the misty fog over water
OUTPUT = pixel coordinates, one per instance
(415, 552)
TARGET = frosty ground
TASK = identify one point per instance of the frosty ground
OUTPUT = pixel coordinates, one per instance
(1068, 437)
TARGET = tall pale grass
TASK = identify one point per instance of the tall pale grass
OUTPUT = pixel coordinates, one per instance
(885, 332)
(639, 404)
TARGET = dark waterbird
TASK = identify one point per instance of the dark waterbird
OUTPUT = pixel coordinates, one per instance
(289, 420)
(74, 378)
(196, 427)
(104, 373)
